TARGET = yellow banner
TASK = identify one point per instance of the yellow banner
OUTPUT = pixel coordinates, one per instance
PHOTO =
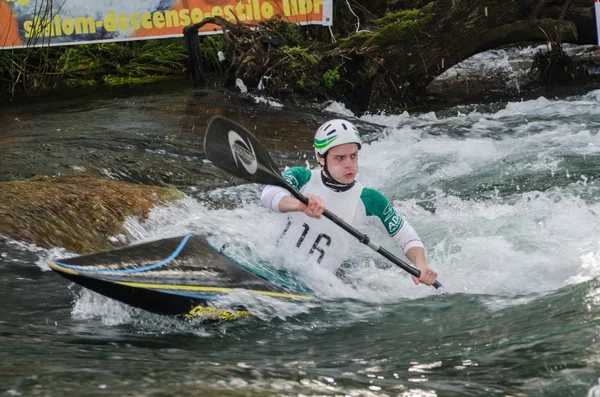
(31, 23)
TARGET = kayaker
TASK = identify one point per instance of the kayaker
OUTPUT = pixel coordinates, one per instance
(332, 186)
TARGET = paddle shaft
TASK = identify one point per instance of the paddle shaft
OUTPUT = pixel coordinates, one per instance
(361, 237)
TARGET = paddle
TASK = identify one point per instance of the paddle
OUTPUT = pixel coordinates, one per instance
(234, 149)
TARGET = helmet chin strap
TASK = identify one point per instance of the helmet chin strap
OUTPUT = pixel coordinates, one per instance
(325, 169)
(331, 182)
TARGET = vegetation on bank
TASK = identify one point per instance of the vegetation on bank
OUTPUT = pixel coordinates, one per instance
(380, 54)
(30, 71)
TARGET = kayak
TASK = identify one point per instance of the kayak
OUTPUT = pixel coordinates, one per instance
(180, 276)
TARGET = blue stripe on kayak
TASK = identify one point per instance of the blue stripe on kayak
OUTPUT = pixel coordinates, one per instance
(137, 270)
(205, 297)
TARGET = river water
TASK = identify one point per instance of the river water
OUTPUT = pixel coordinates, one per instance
(504, 195)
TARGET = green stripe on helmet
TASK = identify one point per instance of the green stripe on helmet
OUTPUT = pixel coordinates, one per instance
(320, 144)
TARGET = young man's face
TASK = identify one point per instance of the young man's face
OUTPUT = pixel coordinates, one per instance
(342, 162)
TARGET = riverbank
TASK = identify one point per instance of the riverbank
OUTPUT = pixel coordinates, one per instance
(492, 76)
(388, 65)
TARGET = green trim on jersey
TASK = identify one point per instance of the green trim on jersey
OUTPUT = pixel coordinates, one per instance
(297, 176)
(377, 205)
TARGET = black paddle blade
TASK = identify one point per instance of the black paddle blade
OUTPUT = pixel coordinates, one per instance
(234, 149)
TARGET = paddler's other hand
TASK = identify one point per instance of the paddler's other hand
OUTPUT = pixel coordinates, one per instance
(428, 275)
(315, 207)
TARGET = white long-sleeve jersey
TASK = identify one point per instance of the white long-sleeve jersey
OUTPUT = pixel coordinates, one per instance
(358, 206)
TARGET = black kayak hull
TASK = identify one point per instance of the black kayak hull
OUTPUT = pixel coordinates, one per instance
(182, 276)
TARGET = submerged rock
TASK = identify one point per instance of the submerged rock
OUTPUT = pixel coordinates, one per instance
(81, 214)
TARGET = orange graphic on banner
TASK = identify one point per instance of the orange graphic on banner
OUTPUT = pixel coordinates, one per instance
(189, 12)
(8, 27)
(108, 24)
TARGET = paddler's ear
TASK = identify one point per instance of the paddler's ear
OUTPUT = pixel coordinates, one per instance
(321, 159)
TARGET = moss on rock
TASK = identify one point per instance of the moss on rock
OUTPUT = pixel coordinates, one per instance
(393, 29)
(77, 213)
(402, 16)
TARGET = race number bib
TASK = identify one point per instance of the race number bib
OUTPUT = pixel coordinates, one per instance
(318, 245)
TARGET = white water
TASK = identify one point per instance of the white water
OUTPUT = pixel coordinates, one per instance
(533, 240)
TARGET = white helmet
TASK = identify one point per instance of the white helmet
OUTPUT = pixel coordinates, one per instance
(335, 133)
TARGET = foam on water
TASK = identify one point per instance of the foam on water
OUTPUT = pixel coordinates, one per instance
(506, 61)
(390, 121)
(338, 109)
(484, 247)
(266, 101)
(90, 305)
(43, 254)
(527, 242)
(489, 247)
(590, 268)
(267, 308)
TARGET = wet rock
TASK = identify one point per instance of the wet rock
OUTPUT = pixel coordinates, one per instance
(552, 67)
(81, 214)
(507, 71)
